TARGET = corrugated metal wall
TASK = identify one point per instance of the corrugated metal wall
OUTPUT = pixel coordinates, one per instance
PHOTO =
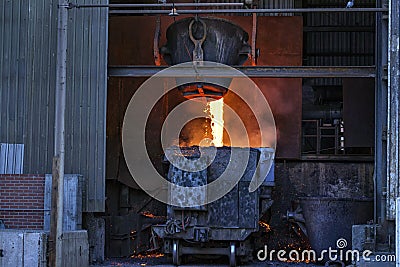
(75, 249)
(350, 45)
(259, 3)
(27, 69)
(267, 4)
(27, 81)
(278, 4)
(86, 99)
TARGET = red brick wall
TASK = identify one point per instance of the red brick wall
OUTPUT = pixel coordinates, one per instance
(22, 200)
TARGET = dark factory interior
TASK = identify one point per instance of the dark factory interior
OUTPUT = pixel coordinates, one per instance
(200, 132)
(324, 114)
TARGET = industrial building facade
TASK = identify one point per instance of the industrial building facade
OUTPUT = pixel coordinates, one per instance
(329, 73)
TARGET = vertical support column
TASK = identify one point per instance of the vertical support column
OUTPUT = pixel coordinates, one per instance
(393, 122)
(381, 61)
(253, 41)
(56, 221)
(398, 232)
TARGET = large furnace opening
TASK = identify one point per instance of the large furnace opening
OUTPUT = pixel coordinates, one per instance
(315, 128)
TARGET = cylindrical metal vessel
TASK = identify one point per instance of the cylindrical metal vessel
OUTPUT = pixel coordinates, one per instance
(224, 41)
(330, 219)
(205, 39)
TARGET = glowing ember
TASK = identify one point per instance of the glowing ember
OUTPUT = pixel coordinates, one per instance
(298, 261)
(265, 225)
(216, 109)
(148, 214)
(147, 256)
(299, 249)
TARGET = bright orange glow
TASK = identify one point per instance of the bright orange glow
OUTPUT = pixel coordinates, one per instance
(216, 109)
(148, 214)
(146, 256)
(265, 225)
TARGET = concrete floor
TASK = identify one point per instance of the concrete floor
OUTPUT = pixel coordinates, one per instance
(165, 261)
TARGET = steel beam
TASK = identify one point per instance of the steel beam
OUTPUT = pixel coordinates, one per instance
(397, 239)
(169, 5)
(338, 158)
(381, 106)
(251, 71)
(249, 11)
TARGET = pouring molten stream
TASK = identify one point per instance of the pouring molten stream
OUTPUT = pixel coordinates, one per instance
(216, 111)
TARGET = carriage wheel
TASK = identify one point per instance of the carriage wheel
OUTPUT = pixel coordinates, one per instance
(232, 254)
(176, 258)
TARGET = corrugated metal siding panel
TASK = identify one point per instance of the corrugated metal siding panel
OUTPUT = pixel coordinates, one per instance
(72, 218)
(260, 4)
(339, 48)
(27, 49)
(11, 158)
(277, 4)
(86, 99)
(340, 3)
(75, 249)
(228, 1)
(27, 68)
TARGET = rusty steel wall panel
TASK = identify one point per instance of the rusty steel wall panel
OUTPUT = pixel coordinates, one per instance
(280, 42)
